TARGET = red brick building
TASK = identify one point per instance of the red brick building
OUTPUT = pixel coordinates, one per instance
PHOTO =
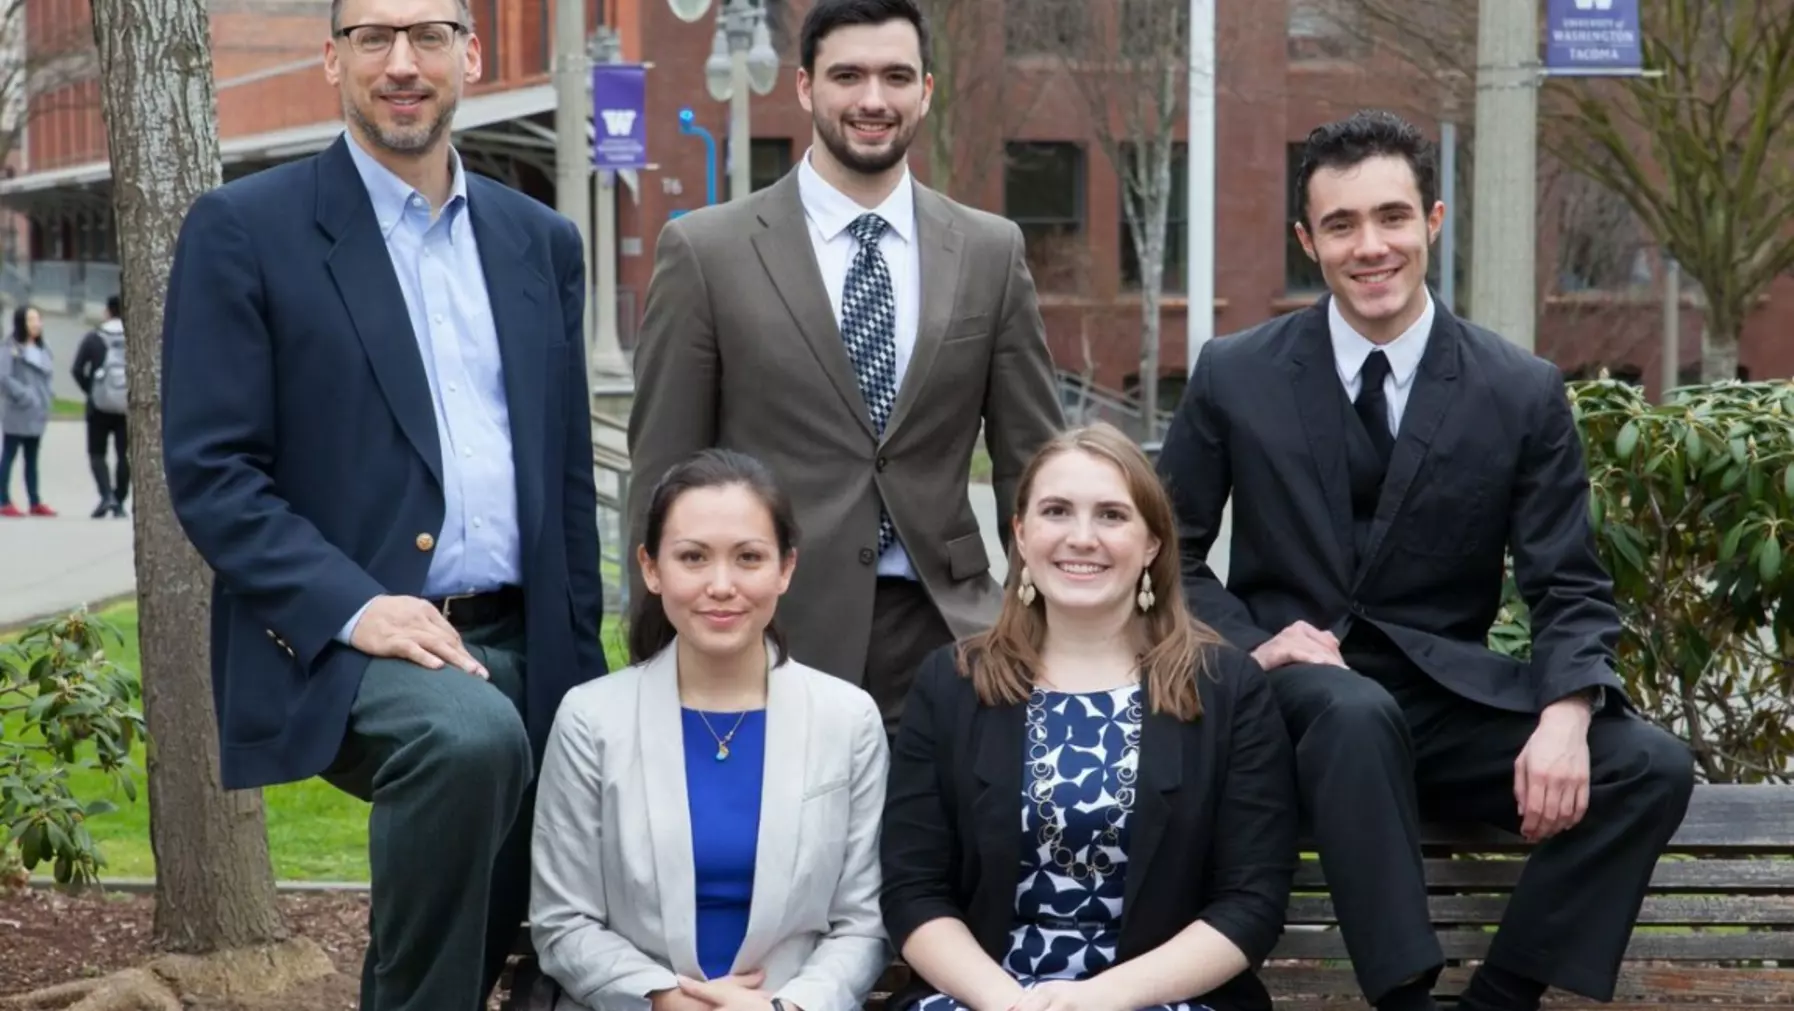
(1283, 69)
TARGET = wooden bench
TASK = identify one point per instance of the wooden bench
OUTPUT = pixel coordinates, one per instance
(1716, 931)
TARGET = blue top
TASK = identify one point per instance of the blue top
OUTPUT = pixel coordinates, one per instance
(724, 796)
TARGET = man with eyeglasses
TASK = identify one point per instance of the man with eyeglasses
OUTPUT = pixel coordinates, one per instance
(377, 436)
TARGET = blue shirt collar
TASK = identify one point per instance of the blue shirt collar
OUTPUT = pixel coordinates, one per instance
(391, 195)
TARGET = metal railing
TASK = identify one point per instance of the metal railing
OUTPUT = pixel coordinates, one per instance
(1086, 402)
(610, 472)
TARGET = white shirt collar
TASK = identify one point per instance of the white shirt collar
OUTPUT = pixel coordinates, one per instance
(833, 211)
(1350, 348)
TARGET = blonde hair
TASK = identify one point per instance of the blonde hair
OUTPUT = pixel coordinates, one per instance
(1002, 661)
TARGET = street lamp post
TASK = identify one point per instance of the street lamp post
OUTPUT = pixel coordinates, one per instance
(742, 63)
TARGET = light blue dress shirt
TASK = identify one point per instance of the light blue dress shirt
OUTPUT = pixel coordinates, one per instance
(438, 265)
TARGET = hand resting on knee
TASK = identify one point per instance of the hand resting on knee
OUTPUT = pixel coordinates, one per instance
(1299, 643)
(408, 628)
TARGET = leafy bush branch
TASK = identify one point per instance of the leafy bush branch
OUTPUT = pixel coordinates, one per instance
(64, 706)
(1693, 507)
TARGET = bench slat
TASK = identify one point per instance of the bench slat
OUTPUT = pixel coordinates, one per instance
(1666, 910)
(1636, 982)
(1738, 877)
(1462, 944)
(1722, 817)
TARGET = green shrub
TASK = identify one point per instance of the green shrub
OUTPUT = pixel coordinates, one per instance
(63, 706)
(1693, 507)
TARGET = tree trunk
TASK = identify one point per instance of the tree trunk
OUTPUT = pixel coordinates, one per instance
(214, 883)
(1719, 348)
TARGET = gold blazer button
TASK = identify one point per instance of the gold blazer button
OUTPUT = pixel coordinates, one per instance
(425, 542)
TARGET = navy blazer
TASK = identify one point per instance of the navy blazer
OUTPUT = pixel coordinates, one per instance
(302, 455)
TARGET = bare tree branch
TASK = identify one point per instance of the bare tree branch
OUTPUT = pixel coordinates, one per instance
(1128, 61)
(974, 105)
(1703, 154)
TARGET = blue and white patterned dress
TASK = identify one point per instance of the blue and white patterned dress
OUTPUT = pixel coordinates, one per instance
(1083, 755)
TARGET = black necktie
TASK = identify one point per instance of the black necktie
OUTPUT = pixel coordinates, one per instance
(1373, 407)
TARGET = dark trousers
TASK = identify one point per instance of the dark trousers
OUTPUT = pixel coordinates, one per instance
(444, 758)
(1384, 745)
(906, 626)
(101, 428)
(11, 447)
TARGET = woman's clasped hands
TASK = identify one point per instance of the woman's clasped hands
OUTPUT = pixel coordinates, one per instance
(1065, 995)
(735, 992)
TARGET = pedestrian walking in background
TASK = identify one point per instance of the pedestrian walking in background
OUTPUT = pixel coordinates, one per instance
(24, 407)
(99, 370)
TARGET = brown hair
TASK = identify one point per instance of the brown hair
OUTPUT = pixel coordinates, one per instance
(1002, 662)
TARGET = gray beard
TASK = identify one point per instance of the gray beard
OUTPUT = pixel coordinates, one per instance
(411, 141)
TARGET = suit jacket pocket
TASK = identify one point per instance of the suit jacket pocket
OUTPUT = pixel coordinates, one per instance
(966, 557)
(965, 328)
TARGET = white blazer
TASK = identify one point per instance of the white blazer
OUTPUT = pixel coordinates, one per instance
(613, 909)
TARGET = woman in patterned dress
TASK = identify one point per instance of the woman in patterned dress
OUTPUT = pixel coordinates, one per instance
(1092, 806)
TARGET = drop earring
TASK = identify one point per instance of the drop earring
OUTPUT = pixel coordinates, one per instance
(1145, 598)
(1025, 588)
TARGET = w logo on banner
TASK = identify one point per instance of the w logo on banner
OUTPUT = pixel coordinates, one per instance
(619, 94)
(1594, 5)
(618, 122)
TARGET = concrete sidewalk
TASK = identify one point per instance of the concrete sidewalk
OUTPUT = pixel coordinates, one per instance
(49, 565)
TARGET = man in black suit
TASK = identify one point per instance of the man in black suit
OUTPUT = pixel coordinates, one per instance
(1384, 456)
(376, 434)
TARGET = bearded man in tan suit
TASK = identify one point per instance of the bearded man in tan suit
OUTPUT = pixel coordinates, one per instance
(851, 329)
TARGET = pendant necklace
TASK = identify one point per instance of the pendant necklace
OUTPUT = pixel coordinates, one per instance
(722, 743)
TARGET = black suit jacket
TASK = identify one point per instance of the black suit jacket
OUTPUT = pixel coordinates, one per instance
(1488, 459)
(1212, 835)
(302, 455)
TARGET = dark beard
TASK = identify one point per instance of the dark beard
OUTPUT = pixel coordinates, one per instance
(834, 137)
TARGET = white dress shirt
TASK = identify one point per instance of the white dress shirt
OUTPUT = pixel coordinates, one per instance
(828, 212)
(1351, 348)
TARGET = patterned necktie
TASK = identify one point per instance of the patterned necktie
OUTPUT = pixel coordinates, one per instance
(869, 328)
(1373, 405)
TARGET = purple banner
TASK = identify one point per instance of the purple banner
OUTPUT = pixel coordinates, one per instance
(1593, 38)
(619, 116)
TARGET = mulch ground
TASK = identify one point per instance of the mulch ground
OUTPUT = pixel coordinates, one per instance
(47, 938)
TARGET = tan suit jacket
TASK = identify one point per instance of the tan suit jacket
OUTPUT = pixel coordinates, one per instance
(613, 912)
(740, 349)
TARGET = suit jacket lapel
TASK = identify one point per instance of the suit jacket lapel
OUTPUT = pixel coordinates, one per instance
(788, 719)
(515, 290)
(1161, 772)
(938, 244)
(783, 244)
(662, 744)
(364, 276)
(1317, 388)
(1435, 386)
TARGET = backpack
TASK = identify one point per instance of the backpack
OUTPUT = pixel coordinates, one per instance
(110, 383)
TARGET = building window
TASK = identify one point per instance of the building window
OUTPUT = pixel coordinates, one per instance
(1043, 192)
(1044, 27)
(486, 26)
(769, 159)
(1301, 275)
(1176, 218)
(1321, 30)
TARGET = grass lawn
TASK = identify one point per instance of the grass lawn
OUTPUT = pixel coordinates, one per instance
(315, 832)
(64, 408)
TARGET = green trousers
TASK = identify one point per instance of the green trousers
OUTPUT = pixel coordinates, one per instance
(445, 761)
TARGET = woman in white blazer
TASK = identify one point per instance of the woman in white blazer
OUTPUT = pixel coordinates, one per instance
(707, 820)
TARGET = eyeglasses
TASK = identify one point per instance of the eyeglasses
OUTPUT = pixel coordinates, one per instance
(429, 37)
